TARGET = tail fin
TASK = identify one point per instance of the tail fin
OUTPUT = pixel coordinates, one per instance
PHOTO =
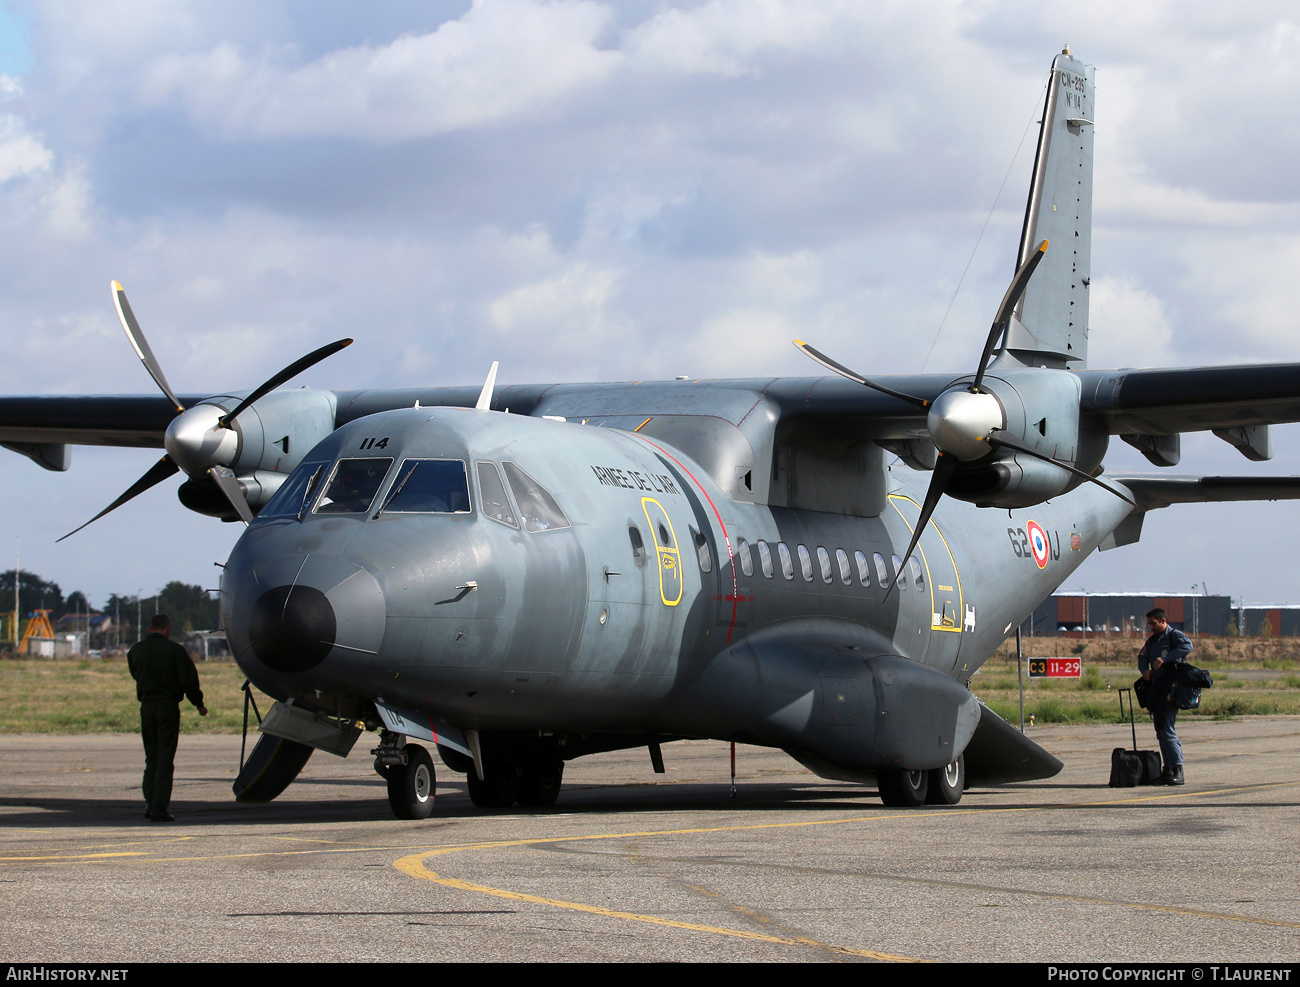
(1050, 325)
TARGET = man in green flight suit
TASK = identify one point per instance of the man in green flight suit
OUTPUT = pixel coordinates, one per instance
(163, 673)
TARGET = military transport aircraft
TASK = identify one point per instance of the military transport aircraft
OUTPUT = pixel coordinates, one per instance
(524, 575)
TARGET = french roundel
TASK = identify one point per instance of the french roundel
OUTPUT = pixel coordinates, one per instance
(1037, 543)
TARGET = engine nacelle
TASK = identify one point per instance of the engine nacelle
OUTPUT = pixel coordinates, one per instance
(262, 447)
(1039, 408)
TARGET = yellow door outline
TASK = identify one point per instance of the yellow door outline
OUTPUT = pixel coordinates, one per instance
(670, 559)
(956, 628)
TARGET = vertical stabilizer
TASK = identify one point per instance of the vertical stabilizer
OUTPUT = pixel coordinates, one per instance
(1050, 325)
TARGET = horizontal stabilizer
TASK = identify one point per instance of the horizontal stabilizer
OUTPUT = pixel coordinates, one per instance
(1155, 490)
(999, 753)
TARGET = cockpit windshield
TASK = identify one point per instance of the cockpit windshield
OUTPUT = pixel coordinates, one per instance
(302, 483)
(353, 486)
(429, 486)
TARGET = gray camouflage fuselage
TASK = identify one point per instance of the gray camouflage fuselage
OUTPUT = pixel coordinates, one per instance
(569, 631)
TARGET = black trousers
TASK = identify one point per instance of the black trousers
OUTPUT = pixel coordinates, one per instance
(160, 728)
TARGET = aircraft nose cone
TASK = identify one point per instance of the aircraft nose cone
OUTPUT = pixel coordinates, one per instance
(292, 628)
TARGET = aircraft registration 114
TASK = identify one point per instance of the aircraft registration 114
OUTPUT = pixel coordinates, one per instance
(610, 566)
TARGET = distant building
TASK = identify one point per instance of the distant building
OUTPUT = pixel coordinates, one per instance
(1261, 620)
(1079, 614)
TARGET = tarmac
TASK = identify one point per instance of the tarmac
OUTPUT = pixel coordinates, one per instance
(634, 866)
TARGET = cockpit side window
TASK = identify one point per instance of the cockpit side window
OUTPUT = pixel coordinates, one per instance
(288, 500)
(492, 496)
(538, 508)
(639, 554)
(353, 486)
(429, 486)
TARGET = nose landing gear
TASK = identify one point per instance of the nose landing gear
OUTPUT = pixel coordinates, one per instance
(409, 772)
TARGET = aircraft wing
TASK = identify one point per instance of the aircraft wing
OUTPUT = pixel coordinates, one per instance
(135, 420)
(1164, 402)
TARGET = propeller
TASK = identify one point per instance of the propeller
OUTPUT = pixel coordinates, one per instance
(966, 422)
(199, 438)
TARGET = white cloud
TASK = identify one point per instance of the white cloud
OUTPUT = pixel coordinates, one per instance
(502, 60)
(20, 152)
(1127, 325)
(730, 37)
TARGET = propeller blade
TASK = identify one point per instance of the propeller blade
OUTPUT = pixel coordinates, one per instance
(1009, 301)
(158, 472)
(224, 477)
(288, 373)
(834, 366)
(996, 439)
(141, 347)
(944, 467)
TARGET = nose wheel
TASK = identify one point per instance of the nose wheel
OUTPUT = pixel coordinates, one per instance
(411, 785)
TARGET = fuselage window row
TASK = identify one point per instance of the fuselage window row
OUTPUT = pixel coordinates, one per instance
(842, 564)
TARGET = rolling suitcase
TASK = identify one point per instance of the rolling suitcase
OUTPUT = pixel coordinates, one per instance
(1129, 768)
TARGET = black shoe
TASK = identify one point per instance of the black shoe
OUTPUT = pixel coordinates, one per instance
(148, 811)
(1174, 777)
(163, 816)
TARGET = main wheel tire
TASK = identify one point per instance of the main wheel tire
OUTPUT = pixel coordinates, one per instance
(500, 787)
(540, 784)
(411, 786)
(903, 789)
(947, 783)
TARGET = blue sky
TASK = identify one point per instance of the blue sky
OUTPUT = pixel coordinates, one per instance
(15, 56)
(640, 185)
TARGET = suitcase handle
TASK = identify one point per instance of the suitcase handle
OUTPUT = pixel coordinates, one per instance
(1132, 724)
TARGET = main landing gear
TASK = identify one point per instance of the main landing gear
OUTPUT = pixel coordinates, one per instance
(910, 789)
(533, 780)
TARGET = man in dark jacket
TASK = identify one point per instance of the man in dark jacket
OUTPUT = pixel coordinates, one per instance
(1164, 648)
(163, 673)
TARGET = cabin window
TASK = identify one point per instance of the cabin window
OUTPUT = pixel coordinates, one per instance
(918, 576)
(702, 551)
(353, 486)
(864, 574)
(638, 545)
(842, 557)
(746, 563)
(429, 486)
(765, 558)
(882, 574)
(805, 563)
(824, 563)
(900, 574)
(537, 508)
(787, 564)
(492, 496)
(295, 490)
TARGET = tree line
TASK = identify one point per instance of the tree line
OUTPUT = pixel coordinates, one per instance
(190, 608)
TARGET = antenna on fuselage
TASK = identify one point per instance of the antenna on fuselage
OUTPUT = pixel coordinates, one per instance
(485, 395)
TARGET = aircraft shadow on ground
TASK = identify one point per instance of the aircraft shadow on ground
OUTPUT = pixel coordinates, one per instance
(613, 800)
